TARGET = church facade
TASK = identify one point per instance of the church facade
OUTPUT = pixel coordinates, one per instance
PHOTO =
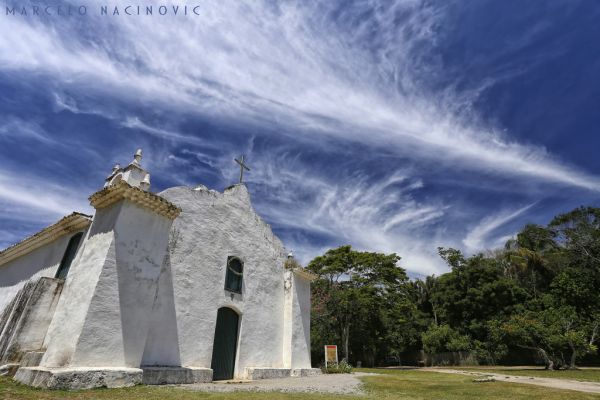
(187, 285)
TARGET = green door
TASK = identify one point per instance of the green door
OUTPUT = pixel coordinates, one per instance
(224, 347)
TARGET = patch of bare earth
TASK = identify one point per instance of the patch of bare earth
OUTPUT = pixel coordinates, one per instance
(333, 383)
(588, 387)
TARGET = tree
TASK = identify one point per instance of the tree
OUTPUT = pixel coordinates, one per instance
(424, 298)
(532, 258)
(536, 238)
(402, 323)
(579, 232)
(351, 290)
(475, 291)
(539, 292)
(553, 333)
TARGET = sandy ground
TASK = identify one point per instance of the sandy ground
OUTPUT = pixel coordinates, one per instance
(335, 383)
(589, 387)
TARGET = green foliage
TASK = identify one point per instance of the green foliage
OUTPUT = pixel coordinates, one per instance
(454, 258)
(473, 293)
(362, 302)
(553, 332)
(536, 238)
(540, 292)
(337, 368)
(442, 338)
(489, 352)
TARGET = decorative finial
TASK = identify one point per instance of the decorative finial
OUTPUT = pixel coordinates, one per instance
(133, 174)
(145, 183)
(137, 157)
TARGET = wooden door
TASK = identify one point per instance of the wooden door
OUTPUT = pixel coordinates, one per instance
(225, 344)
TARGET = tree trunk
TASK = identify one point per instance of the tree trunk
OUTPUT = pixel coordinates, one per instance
(573, 356)
(346, 340)
(549, 363)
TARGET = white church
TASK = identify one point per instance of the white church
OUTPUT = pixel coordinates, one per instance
(187, 285)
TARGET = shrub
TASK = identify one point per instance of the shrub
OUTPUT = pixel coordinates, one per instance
(342, 368)
(442, 338)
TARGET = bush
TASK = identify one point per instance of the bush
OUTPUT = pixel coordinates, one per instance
(342, 368)
(442, 338)
(488, 352)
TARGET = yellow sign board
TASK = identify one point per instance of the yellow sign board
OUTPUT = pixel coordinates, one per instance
(331, 354)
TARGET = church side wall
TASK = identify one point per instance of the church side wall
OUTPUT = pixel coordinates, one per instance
(26, 327)
(211, 227)
(42, 262)
(300, 351)
(119, 314)
(104, 314)
(78, 290)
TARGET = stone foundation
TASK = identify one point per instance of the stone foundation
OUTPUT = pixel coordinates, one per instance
(275, 373)
(32, 358)
(267, 373)
(89, 378)
(175, 375)
(299, 372)
(78, 378)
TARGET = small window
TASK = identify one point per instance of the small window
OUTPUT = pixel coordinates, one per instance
(234, 275)
(69, 255)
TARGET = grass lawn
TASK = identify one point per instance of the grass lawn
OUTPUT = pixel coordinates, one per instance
(587, 374)
(389, 385)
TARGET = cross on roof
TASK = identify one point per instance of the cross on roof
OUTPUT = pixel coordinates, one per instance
(242, 167)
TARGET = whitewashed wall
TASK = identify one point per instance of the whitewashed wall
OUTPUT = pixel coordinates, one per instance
(300, 340)
(104, 313)
(43, 261)
(211, 227)
(128, 301)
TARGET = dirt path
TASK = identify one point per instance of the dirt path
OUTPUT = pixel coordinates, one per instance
(338, 384)
(589, 387)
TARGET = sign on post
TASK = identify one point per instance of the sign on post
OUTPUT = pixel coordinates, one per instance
(331, 355)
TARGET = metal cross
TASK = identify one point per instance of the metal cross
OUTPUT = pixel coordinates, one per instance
(242, 167)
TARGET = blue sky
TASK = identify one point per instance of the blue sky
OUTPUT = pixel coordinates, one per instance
(393, 126)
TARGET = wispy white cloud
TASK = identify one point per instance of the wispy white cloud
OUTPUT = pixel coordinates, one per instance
(288, 64)
(62, 102)
(383, 217)
(478, 238)
(28, 203)
(136, 123)
(319, 76)
(15, 128)
(36, 197)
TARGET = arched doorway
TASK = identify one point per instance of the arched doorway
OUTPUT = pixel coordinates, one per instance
(225, 344)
